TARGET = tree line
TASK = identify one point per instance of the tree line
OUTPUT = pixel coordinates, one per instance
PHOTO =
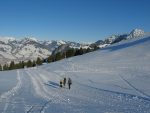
(21, 64)
(69, 53)
(52, 58)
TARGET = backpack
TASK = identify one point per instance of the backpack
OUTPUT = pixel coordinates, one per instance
(69, 81)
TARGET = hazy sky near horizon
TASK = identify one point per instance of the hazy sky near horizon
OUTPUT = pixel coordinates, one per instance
(72, 20)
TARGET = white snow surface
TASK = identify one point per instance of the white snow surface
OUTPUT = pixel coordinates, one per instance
(112, 80)
(104, 45)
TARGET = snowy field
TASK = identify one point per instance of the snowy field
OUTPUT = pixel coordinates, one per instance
(113, 80)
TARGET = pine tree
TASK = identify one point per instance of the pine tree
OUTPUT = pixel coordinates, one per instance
(0, 67)
(49, 59)
(84, 51)
(12, 65)
(63, 55)
(58, 56)
(88, 50)
(5, 67)
(21, 64)
(18, 65)
(39, 61)
(70, 53)
(76, 52)
(53, 58)
(34, 64)
(29, 63)
(81, 51)
(96, 47)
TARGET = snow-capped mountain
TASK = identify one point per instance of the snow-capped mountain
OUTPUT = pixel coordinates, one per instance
(29, 48)
(117, 38)
(136, 33)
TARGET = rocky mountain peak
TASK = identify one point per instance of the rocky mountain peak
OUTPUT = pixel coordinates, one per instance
(136, 33)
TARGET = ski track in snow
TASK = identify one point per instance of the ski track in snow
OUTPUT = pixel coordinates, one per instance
(14, 89)
(40, 91)
(7, 95)
(144, 94)
(39, 81)
(52, 96)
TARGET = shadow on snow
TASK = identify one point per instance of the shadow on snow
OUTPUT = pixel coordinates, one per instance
(52, 84)
(119, 93)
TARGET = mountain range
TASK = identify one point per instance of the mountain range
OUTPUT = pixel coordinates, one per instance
(12, 49)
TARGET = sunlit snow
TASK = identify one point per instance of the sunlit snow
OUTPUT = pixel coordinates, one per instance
(112, 80)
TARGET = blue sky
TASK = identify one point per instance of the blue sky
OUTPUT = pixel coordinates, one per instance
(73, 20)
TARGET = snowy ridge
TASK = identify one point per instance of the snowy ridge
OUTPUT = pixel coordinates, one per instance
(136, 33)
(29, 48)
(7, 39)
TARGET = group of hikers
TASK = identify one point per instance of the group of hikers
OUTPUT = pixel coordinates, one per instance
(63, 82)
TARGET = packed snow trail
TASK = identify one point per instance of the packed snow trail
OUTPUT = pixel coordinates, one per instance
(104, 81)
(34, 96)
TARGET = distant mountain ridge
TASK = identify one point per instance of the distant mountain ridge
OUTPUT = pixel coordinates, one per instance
(117, 38)
(31, 48)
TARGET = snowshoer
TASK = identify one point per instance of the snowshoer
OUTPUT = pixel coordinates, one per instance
(64, 82)
(61, 83)
(69, 82)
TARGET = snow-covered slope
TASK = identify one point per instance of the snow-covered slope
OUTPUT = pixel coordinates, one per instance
(112, 80)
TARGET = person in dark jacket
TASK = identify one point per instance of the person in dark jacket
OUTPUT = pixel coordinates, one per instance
(64, 82)
(69, 82)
